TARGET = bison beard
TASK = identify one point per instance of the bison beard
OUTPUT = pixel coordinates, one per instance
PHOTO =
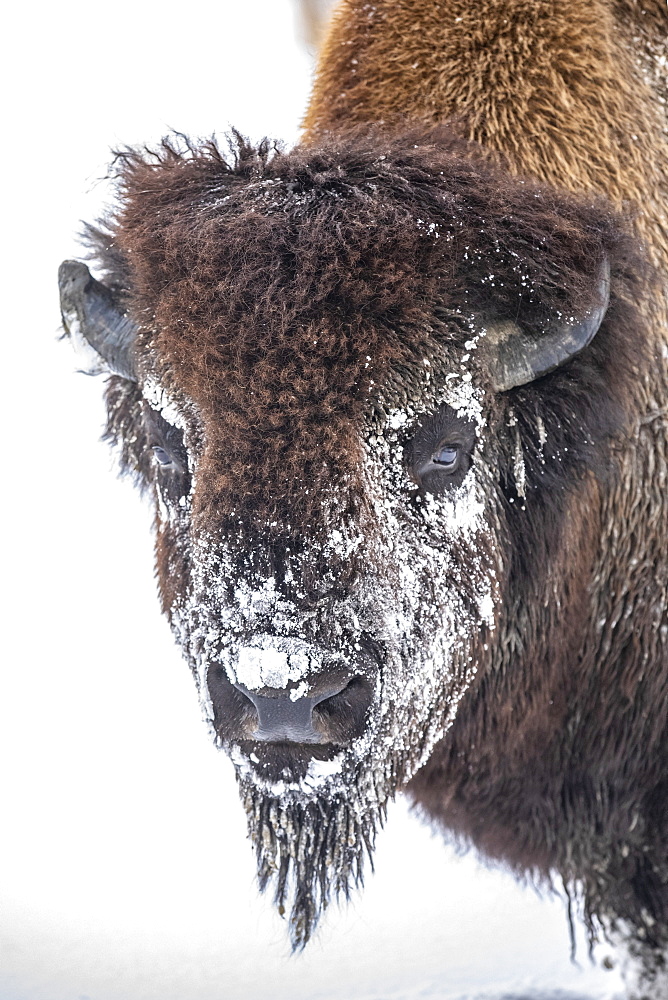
(313, 850)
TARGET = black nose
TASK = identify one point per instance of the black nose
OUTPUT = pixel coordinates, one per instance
(335, 714)
(285, 718)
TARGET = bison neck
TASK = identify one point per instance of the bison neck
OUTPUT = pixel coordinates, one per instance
(569, 92)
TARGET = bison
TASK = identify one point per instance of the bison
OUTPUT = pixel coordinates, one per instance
(400, 397)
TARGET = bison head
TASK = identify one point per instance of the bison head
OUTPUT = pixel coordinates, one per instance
(328, 369)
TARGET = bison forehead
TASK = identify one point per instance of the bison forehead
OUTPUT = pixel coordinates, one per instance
(286, 394)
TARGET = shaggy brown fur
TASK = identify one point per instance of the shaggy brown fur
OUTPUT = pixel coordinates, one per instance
(557, 87)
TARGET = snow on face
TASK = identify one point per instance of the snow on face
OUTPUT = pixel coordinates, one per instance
(436, 556)
(426, 589)
(269, 665)
(160, 400)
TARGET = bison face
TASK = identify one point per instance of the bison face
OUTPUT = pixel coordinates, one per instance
(331, 652)
(316, 355)
(318, 646)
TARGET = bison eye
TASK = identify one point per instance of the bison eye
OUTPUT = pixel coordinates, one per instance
(162, 457)
(438, 468)
(446, 456)
(441, 451)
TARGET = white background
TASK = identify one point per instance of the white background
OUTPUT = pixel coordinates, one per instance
(124, 869)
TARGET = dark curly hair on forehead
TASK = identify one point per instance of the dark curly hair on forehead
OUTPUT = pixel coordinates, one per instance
(286, 292)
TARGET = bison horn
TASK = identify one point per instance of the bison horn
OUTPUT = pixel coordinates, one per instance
(515, 358)
(101, 334)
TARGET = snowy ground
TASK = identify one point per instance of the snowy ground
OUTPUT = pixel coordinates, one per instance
(124, 869)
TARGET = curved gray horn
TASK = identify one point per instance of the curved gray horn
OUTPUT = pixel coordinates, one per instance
(101, 335)
(515, 358)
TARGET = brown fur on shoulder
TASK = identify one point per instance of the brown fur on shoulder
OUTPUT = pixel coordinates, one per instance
(558, 88)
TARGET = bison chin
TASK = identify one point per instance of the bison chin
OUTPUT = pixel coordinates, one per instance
(312, 851)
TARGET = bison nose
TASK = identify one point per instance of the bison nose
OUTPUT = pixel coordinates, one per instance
(281, 716)
(332, 714)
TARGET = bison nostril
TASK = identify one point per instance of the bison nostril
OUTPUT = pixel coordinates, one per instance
(233, 711)
(343, 715)
(241, 697)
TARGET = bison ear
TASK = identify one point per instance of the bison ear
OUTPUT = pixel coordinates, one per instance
(515, 358)
(101, 334)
